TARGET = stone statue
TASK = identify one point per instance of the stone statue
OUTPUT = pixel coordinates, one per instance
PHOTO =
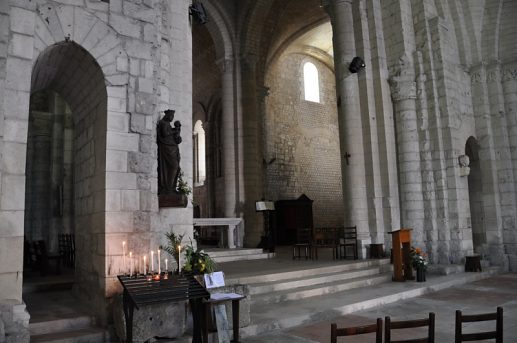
(168, 138)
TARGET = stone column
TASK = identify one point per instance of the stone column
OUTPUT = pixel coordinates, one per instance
(252, 162)
(403, 93)
(228, 138)
(350, 121)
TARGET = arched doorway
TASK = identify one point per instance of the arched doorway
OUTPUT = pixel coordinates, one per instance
(476, 196)
(66, 163)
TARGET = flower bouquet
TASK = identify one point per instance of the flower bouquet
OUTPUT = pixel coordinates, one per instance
(418, 259)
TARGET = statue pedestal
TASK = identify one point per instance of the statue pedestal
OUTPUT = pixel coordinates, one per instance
(172, 200)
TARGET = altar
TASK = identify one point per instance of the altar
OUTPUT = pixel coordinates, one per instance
(234, 229)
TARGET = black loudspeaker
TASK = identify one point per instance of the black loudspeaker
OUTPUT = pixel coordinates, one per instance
(356, 65)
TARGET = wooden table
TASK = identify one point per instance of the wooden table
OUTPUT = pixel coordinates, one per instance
(235, 316)
(139, 291)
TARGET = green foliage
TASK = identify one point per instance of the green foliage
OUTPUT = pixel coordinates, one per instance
(197, 261)
(418, 258)
(183, 186)
(173, 242)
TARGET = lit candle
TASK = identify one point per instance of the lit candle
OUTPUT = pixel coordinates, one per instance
(124, 257)
(152, 261)
(145, 265)
(179, 258)
(166, 266)
(130, 264)
(159, 263)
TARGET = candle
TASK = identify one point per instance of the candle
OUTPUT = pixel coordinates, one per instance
(124, 257)
(179, 258)
(130, 264)
(159, 263)
(145, 265)
(152, 261)
(166, 266)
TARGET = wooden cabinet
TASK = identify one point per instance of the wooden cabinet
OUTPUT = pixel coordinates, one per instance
(292, 214)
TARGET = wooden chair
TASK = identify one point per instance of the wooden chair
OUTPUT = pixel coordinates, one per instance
(335, 332)
(325, 238)
(407, 324)
(478, 336)
(43, 258)
(347, 239)
(303, 242)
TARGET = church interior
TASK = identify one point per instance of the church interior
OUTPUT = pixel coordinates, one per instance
(291, 116)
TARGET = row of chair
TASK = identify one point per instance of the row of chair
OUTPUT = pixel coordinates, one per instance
(429, 322)
(37, 256)
(340, 240)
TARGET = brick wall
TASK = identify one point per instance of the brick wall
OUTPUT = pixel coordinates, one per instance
(302, 140)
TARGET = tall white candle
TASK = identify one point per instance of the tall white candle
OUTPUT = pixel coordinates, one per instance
(145, 271)
(130, 263)
(159, 263)
(152, 261)
(179, 258)
(124, 257)
(166, 266)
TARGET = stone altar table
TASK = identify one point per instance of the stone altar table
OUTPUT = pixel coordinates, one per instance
(235, 229)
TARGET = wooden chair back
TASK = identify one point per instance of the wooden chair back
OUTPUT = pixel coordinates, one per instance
(408, 324)
(348, 238)
(478, 336)
(325, 238)
(303, 242)
(335, 332)
(303, 235)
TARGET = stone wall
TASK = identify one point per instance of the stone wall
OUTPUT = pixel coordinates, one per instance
(302, 140)
(117, 65)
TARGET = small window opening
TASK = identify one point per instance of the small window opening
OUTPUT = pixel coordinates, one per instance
(311, 82)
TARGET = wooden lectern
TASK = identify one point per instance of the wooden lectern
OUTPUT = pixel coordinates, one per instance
(401, 247)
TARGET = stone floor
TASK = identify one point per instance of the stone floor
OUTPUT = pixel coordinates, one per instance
(475, 297)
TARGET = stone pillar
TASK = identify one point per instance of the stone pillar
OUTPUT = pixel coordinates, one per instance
(403, 93)
(252, 163)
(228, 136)
(349, 116)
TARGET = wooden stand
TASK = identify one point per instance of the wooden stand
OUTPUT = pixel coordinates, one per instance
(401, 261)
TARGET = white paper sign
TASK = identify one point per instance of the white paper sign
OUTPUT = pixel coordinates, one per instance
(214, 280)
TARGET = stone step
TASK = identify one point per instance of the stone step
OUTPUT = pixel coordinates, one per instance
(231, 255)
(232, 252)
(308, 272)
(267, 317)
(317, 280)
(60, 325)
(86, 335)
(223, 259)
(302, 293)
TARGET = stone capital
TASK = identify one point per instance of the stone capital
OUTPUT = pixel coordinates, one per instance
(225, 65)
(249, 61)
(262, 92)
(402, 88)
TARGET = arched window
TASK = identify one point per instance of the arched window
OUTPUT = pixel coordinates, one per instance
(311, 82)
(199, 154)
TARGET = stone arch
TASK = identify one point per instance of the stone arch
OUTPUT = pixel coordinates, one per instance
(253, 29)
(69, 70)
(56, 24)
(81, 57)
(219, 29)
(475, 188)
(491, 30)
